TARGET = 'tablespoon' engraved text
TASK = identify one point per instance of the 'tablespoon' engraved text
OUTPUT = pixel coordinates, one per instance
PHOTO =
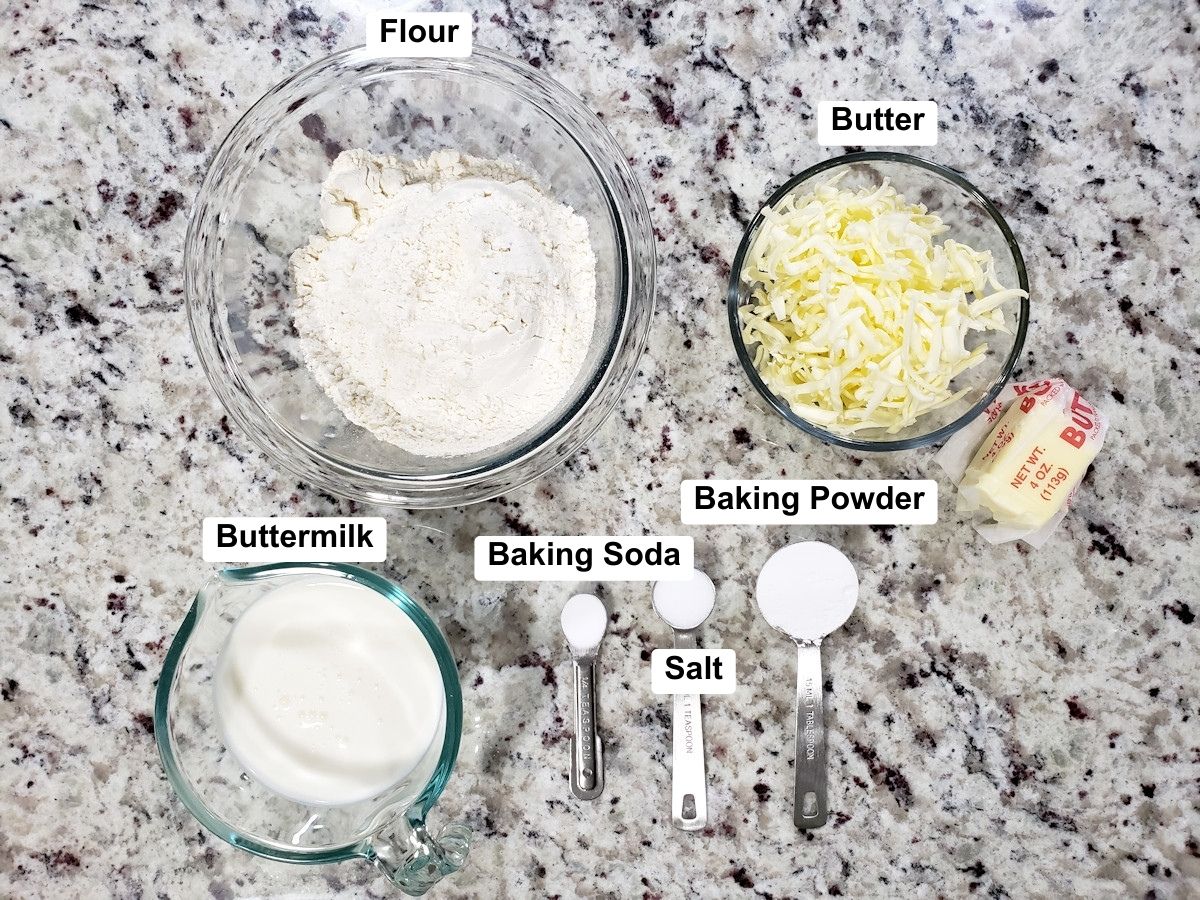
(809, 701)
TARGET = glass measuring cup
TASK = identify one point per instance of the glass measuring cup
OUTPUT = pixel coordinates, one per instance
(387, 830)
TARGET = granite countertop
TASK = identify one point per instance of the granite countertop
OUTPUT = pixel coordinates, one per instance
(1004, 721)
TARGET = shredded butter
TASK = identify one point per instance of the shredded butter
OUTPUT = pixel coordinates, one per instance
(857, 318)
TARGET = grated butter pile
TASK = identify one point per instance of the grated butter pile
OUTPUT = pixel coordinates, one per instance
(860, 319)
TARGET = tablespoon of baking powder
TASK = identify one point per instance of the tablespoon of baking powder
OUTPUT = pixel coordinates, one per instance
(684, 605)
(808, 591)
(584, 620)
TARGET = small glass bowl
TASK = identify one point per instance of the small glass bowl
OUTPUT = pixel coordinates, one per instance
(260, 202)
(973, 220)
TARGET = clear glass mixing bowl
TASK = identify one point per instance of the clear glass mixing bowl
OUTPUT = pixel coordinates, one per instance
(259, 202)
(973, 220)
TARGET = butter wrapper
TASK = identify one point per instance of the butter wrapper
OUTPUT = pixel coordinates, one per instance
(1018, 464)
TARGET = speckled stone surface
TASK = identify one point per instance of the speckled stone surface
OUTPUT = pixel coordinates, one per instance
(1005, 722)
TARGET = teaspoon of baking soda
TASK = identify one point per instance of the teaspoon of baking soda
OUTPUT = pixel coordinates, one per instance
(808, 591)
(684, 605)
(584, 621)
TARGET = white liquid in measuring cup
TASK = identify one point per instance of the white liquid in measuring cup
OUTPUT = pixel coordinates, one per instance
(327, 693)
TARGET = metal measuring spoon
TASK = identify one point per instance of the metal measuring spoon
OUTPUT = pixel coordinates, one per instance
(584, 621)
(684, 605)
(807, 591)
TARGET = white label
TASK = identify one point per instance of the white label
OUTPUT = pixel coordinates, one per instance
(696, 671)
(806, 502)
(295, 539)
(411, 34)
(877, 123)
(590, 557)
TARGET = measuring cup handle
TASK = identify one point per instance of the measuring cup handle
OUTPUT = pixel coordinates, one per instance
(811, 809)
(415, 861)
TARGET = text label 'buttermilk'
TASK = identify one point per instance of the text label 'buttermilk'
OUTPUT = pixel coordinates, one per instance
(295, 539)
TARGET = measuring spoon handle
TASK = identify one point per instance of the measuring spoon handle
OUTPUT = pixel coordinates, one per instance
(587, 753)
(689, 781)
(689, 791)
(811, 807)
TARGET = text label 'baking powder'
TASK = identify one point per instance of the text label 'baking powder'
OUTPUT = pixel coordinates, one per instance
(807, 502)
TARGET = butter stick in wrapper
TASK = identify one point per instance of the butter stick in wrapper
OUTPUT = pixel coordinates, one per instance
(1019, 463)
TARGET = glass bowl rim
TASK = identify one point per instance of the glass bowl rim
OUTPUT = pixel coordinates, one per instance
(389, 590)
(624, 203)
(777, 403)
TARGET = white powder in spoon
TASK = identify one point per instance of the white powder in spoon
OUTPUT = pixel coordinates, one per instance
(450, 303)
(584, 621)
(685, 604)
(807, 590)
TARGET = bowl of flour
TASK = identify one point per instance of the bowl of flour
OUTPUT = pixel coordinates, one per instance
(419, 282)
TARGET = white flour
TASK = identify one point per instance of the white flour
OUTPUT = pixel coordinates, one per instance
(449, 305)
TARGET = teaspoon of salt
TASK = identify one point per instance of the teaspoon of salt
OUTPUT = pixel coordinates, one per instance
(684, 605)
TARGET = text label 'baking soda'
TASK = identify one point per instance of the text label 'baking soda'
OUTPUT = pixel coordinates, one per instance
(295, 539)
(871, 123)
(599, 558)
(807, 502)
(696, 671)
(412, 34)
